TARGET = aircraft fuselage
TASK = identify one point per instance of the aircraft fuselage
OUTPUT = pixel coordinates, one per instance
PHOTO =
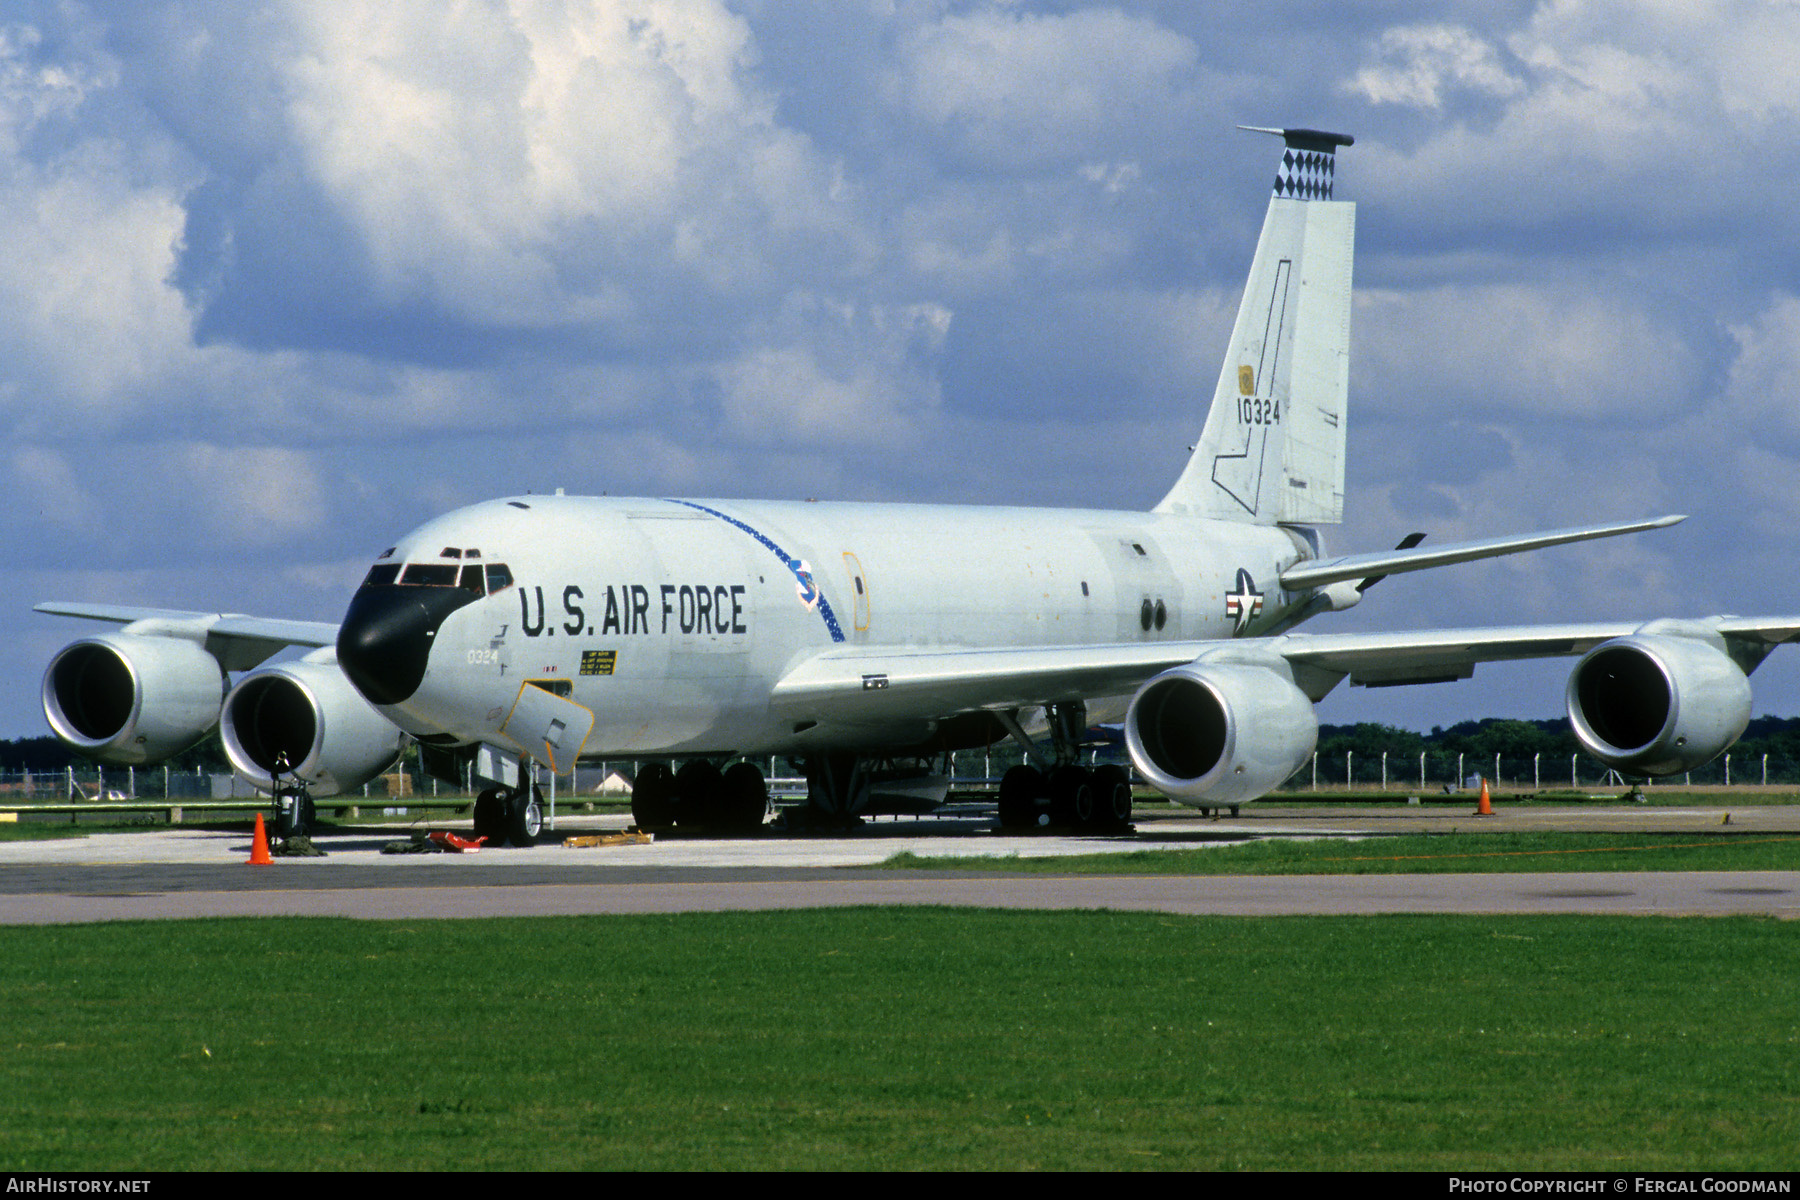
(671, 620)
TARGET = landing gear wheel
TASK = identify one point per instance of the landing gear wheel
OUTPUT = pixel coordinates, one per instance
(653, 797)
(490, 817)
(524, 819)
(1072, 796)
(697, 787)
(1112, 796)
(1019, 792)
(743, 798)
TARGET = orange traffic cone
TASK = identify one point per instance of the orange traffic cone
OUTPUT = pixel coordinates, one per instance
(259, 851)
(1484, 809)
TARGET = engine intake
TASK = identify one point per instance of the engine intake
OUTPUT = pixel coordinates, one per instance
(1220, 732)
(130, 699)
(1657, 703)
(309, 713)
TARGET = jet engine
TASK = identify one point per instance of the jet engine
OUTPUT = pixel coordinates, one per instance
(1221, 729)
(131, 699)
(332, 738)
(1659, 701)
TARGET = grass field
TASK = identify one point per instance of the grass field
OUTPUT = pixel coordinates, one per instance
(903, 1038)
(1412, 854)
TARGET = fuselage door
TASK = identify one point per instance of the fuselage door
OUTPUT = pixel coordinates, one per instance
(547, 726)
(859, 591)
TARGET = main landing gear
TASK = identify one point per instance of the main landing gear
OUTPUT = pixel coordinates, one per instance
(1097, 800)
(700, 796)
(1060, 791)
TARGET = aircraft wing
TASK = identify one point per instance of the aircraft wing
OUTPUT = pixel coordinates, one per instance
(238, 641)
(1429, 656)
(878, 683)
(1310, 573)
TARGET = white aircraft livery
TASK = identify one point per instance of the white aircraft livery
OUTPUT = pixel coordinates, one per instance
(863, 641)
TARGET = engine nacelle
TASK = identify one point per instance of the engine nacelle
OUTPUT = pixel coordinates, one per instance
(1659, 701)
(132, 699)
(1221, 729)
(334, 740)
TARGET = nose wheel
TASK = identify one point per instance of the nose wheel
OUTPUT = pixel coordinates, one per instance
(505, 815)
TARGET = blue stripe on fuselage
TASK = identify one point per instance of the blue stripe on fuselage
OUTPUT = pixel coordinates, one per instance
(792, 564)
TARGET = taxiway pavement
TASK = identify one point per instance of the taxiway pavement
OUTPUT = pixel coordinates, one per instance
(197, 871)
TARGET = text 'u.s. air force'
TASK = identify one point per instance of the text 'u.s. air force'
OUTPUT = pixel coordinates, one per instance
(710, 609)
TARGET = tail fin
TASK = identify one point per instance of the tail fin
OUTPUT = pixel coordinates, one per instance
(1273, 447)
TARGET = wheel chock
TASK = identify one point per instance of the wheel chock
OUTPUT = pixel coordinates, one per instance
(456, 844)
(632, 837)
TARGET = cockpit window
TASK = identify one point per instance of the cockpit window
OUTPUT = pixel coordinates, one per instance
(480, 579)
(429, 575)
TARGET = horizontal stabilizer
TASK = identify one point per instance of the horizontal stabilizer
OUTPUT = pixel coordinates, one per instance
(1318, 573)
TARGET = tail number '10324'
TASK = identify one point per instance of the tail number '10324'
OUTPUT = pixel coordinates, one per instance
(1254, 410)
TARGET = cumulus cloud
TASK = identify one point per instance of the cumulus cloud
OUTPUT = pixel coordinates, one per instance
(584, 168)
(1529, 349)
(1010, 88)
(1610, 120)
(1744, 439)
(258, 495)
(48, 491)
(854, 376)
(1421, 64)
(83, 289)
(1763, 390)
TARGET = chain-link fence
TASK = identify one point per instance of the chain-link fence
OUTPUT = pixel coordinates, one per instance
(89, 782)
(1400, 772)
(1436, 770)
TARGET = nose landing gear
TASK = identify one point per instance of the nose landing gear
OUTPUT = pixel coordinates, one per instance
(506, 815)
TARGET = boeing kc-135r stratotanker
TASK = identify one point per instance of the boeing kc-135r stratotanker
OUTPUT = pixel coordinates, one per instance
(865, 640)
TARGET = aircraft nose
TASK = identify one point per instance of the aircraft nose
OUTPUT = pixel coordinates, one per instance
(385, 640)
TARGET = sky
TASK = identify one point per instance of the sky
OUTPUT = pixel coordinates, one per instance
(284, 280)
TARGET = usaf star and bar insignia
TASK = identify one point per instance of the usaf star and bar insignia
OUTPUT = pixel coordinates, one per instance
(1244, 603)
